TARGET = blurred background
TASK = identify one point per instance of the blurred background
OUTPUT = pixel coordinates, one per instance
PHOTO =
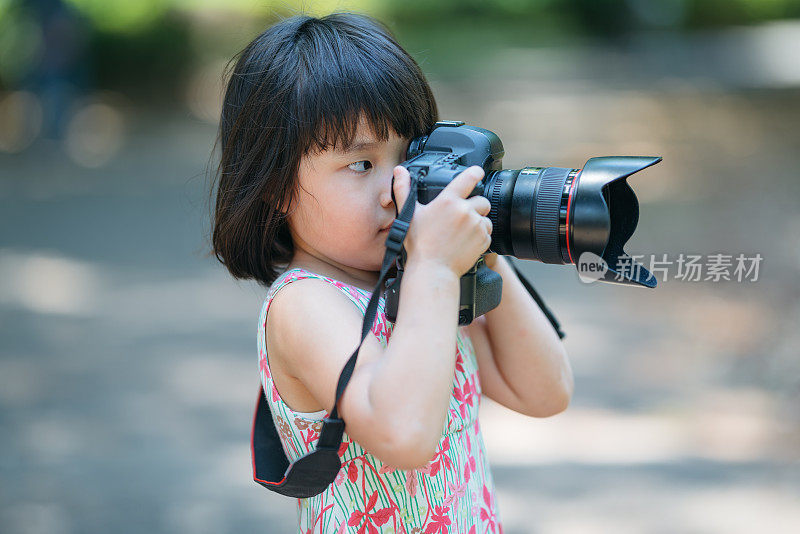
(128, 363)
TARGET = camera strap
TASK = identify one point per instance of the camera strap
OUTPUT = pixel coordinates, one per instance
(312, 473)
(533, 293)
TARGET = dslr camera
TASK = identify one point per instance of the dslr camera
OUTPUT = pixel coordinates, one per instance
(548, 214)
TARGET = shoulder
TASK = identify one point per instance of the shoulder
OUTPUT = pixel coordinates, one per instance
(307, 302)
(311, 322)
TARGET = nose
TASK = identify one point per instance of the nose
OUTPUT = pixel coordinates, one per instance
(386, 197)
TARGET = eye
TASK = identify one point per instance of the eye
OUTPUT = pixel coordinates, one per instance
(360, 166)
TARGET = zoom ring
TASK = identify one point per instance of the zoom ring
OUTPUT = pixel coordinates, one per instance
(494, 201)
(548, 203)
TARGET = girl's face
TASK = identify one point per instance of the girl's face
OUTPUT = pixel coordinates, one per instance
(345, 202)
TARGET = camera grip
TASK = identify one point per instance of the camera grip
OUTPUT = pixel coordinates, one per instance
(480, 291)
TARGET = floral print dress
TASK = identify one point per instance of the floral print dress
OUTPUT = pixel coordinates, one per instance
(453, 493)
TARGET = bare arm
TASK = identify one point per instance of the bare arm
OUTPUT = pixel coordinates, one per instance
(522, 363)
(419, 363)
(396, 401)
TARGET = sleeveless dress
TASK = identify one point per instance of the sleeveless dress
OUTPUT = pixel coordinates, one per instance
(453, 493)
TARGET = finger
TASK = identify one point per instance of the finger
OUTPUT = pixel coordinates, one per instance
(401, 185)
(489, 225)
(480, 204)
(463, 184)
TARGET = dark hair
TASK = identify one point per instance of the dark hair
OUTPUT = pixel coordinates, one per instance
(301, 86)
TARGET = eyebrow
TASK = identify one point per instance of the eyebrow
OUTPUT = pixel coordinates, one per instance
(360, 144)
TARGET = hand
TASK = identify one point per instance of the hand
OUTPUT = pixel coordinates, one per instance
(490, 260)
(452, 230)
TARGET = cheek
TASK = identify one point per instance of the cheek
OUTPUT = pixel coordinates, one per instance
(342, 216)
(351, 205)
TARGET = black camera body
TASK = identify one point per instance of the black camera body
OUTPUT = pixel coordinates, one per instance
(445, 156)
(549, 214)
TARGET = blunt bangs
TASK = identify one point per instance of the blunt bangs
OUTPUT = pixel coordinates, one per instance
(345, 75)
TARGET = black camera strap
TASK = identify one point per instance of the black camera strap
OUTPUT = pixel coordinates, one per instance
(313, 472)
(533, 293)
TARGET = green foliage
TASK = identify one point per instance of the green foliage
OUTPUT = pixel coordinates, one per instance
(135, 44)
(122, 16)
(20, 44)
(717, 13)
(151, 63)
(591, 16)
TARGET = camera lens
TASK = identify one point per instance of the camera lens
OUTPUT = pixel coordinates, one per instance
(555, 214)
(530, 212)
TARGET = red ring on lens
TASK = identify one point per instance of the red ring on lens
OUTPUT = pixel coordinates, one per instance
(569, 206)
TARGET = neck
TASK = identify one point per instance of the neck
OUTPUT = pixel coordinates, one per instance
(359, 278)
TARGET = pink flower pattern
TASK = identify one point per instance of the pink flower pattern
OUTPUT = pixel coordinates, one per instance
(369, 496)
(440, 522)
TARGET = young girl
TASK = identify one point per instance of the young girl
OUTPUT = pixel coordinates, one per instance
(317, 115)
